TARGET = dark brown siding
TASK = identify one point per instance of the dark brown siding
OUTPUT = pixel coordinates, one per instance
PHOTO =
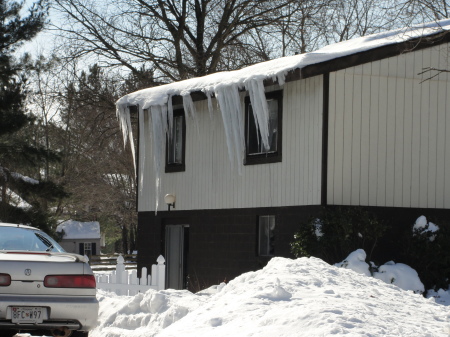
(223, 243)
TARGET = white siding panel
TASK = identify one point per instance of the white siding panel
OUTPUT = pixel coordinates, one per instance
(408, 135)
(373, 134)
(211, 182)
(382, 138)
(356, 140)
(399, 138)
(447, 151)
(339, 140)
(331, 138)
(440, 146)
(365, 134)
(348, 135)
(393, 127)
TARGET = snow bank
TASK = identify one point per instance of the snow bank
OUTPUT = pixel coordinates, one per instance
(288, 297)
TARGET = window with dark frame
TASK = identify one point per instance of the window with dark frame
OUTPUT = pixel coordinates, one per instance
(266, 235)
(175, 149)
(255, 152)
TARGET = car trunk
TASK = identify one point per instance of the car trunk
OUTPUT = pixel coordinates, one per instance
(28, 270)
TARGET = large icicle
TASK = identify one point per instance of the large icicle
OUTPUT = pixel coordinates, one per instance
(260, 109)
(189, 109)
(123, 114)
(230, 107)
(188, 105)
(209, 94)
(170, 115)
(142, 149)
(158, 134)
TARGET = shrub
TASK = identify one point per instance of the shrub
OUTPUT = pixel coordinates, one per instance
(428, 252)
(338, 232)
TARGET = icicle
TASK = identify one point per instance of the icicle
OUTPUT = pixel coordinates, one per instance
(130, 138)
(209, 94)
(189, 109)
(188, 105)
(260, 109)
(164, 116)
(123, 114)
(281, 78)
(230, 107)
(157, 127)
(142, 148)
(170, 115)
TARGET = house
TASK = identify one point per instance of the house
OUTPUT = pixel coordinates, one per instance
(252, 153)
(82, 238)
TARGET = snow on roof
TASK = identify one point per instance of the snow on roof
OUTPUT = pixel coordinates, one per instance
(225, 86)
(278, 68)
(79, 230)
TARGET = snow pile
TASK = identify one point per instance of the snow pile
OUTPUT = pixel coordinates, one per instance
(399, 274)
(157, 101)
(422, 227)
(441, 296)
(356, 261)
(143, 314)
(79, 230)
(288, 297)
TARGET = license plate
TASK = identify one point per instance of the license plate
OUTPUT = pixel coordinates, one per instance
(28, 314)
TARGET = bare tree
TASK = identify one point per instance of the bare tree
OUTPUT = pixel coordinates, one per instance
(176, 39)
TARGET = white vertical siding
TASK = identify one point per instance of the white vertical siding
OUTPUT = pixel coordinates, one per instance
(211, 182)
(388, 143)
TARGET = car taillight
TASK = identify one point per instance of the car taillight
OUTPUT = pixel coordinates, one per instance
(5, 280)
(69, 281)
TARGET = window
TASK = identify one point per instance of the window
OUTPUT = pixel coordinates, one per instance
(87, 249)
(266, 228)
(256, 153)
(175, 148)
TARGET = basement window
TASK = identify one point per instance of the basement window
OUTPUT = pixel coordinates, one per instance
(266, 227)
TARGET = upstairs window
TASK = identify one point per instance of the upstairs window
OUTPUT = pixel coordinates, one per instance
(256, 153)
(175, 149)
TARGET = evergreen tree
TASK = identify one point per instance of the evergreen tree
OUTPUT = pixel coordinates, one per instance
(24, 195)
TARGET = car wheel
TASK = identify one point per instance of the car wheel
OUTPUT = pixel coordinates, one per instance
(80, 334)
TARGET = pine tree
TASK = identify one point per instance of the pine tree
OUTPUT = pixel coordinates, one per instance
(24, 195)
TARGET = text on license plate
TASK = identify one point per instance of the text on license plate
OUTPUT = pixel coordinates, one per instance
(28, 314)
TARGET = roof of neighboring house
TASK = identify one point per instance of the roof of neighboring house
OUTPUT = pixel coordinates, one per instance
(79, 230)
(278, 69)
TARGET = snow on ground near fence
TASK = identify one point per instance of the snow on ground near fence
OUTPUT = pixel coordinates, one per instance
(302, 297)
(126, 282)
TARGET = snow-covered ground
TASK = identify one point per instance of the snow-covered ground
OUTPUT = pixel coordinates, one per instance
(302, 297)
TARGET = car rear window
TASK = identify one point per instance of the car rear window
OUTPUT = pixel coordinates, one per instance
(25, 239)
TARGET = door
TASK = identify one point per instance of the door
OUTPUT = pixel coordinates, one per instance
(177, 246)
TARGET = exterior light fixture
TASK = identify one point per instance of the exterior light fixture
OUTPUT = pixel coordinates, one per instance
(169, 199)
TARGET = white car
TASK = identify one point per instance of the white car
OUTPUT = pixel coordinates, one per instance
(42, 287)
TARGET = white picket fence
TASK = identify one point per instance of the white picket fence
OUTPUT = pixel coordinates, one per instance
(126, 282)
